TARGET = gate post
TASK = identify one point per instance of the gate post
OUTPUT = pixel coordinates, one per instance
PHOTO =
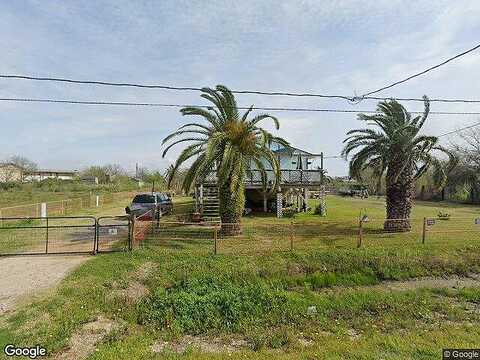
(130, 227)
(46, 239)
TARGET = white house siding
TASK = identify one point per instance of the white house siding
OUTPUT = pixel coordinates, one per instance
(42, 175)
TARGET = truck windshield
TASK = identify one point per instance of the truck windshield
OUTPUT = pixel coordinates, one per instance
(144, 199)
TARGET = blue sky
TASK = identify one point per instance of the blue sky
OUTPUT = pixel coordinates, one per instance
(335, 47)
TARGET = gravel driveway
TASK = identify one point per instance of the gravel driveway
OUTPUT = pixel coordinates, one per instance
(22, 277)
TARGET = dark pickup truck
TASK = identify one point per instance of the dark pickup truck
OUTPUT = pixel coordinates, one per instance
(159, 203)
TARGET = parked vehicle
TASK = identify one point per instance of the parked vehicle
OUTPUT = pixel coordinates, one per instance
(157, 203)
(354, 190)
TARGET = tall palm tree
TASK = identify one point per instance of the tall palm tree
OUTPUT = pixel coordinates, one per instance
(397, 148)
(228, 144)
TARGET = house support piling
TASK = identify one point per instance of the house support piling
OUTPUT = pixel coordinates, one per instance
(305, 199)
(279, 205)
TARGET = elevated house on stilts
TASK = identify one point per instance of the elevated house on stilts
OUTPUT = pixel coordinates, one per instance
(301, 173)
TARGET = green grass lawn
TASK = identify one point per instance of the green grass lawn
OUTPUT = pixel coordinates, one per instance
(264, 299)
(339, 229)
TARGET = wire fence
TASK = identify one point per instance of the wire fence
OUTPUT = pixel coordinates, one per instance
(51, 235)
(253, 238)
(68, 234)
(63, 207)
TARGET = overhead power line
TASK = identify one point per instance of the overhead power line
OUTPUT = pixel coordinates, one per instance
(421, 72)
(250, 92)
(460, 130)
(438, 136)
(145, 104)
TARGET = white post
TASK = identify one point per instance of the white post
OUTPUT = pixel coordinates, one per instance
(43, 210)
(279, 205)
(97, 201)
(265, 209)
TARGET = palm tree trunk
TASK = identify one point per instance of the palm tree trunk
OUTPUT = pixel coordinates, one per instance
(231, 208)
(399, 198)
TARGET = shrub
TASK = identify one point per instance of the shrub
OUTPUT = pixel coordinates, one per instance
(200, 306)
(320, 210)
(289, 212)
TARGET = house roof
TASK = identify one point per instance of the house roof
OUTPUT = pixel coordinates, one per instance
(52, 171)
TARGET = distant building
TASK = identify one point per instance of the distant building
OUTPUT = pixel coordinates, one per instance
(42, 174)
(90, 179)
(11, 172)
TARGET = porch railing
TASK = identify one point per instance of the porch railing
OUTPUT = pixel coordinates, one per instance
(293, 177)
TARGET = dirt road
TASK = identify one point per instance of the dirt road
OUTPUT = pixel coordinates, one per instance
(22, 277)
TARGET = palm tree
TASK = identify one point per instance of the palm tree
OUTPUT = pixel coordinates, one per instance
(467, 173)
(228, 144)
(396, 148)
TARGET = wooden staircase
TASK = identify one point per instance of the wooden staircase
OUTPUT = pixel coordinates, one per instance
(211, 205)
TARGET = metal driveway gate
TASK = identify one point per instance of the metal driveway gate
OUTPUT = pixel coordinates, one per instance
(114, 233)
(47, 235)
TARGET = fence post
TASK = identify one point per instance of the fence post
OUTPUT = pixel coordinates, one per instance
(130, 247)
(153, 221)
(134, 218)
(291, 235)
(424, 231)
(158, 217)
(46, 239)
(215, 236)
(43, 212)
(95, 237)
(97, 200)
(360, 233)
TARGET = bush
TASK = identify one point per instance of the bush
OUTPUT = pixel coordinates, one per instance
(6, 186)
(289, 212)
(203, 306)
(320, 210)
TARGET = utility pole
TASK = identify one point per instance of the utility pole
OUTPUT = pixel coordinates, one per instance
(321, 166)
(323, 202)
